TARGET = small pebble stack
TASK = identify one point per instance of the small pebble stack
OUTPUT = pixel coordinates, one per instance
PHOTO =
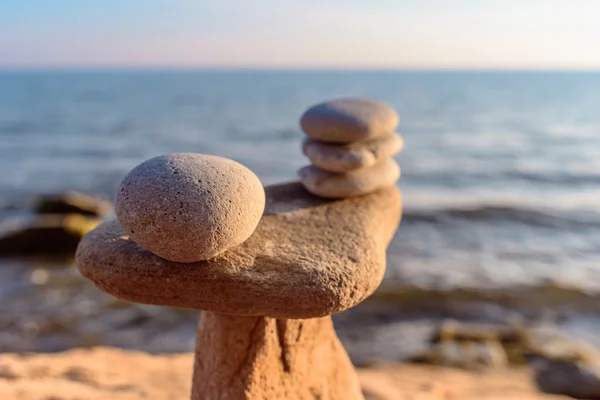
(350, 144)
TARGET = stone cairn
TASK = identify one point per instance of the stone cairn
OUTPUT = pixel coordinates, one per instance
(268, 266)
(350, 144)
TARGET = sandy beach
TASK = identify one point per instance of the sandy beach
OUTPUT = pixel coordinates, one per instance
(109, 373)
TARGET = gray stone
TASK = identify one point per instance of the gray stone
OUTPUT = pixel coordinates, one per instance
(349, 120)
(188, 207)
(577, 379)
(348, 157)
(349, 184)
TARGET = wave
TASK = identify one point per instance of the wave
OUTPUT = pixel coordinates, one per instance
(502, 213)
(462, 179)
(563, 179)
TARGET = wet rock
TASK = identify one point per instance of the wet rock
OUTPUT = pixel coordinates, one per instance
(562, 365)
(468, 346)
(45, 235)
(578, 379)
(72, 203)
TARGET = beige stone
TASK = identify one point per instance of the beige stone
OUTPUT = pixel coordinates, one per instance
(189, 207)
(308, 258)
(349, 184)
(265, 358)
(349, 120)
(348, 157)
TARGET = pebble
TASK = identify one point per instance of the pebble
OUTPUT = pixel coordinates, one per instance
(348, 157)
(349, 120)
(350, 184)
(187, 207)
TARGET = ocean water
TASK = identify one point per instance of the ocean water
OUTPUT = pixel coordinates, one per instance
(500, 170)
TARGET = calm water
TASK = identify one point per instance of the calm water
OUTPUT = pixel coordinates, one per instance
(501, 171)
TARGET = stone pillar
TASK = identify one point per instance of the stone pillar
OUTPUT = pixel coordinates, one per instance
(267, 358)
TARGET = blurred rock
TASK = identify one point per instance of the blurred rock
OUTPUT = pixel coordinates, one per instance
(45, 235)
(73, 203)
(578, 379)
(475, 346)
(556, 298)
(565, 366)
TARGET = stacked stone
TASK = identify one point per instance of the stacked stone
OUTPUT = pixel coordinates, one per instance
(350, 144)
(198, 231)
(188, 207)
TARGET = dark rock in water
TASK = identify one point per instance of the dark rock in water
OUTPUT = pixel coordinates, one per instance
(475, 346)
(559, 298)
(72, 203)
(577, 379)
(566, 366)
(45, 235)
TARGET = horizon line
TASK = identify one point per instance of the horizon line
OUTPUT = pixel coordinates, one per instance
(184, 68)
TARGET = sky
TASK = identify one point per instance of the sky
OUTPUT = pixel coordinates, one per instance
(298, 34)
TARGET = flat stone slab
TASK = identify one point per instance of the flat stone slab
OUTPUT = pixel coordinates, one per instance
(309, 257)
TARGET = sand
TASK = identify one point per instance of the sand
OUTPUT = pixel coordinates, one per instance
(108, 373)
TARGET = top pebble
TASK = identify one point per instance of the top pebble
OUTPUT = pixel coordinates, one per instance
(349, 120)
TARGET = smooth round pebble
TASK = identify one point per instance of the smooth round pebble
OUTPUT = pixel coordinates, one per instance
(187, 207)
(348, 157)
(349, 120)
(350, 184)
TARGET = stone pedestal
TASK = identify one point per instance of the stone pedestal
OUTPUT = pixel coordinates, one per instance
(267, 358)
(266, 332)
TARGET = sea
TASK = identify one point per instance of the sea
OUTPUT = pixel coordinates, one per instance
(500, 178)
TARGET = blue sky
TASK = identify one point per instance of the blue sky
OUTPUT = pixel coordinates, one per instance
(301, 33)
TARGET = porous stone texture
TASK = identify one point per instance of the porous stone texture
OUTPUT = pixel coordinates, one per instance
(307, 258)
(265, 358)
(349, 120)
(349, 184)
(348, 157)
(189, 207)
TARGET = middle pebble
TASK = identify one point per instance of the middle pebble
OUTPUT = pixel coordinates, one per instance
(348, 157)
